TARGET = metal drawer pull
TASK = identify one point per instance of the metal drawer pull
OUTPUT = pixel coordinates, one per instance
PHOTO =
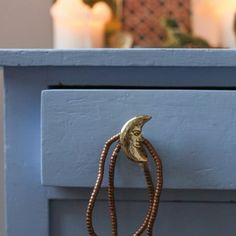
(131, 141)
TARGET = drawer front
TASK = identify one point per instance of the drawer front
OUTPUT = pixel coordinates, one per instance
(194, 132)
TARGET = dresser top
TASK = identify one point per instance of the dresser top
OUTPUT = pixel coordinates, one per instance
(119, 57)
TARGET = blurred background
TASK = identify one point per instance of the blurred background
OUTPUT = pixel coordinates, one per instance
(117, 23)
(113, 24)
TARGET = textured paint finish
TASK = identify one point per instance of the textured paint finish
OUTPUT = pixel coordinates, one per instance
(28, 202)
(2, 205)
(174, 219)
(120, 57)
(194, 132)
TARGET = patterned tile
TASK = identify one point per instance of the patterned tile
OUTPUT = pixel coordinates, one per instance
(142, 18)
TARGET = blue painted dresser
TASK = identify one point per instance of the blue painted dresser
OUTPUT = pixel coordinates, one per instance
(61, 106)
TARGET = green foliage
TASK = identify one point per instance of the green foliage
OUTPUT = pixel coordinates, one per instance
(111, 3)
(234, 26)
(171, 23)
(176, 37)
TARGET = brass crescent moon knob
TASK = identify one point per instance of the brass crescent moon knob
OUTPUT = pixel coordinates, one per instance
(131, 138)
(132, 142)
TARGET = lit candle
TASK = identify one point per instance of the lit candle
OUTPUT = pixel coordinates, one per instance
(226, 12)
(205, 21)
(213, 20)
(76, 25)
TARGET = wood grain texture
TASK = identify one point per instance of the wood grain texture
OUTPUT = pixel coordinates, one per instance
(119, 57)
(194, 132)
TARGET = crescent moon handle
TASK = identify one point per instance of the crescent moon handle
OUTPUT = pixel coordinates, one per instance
(131, 139)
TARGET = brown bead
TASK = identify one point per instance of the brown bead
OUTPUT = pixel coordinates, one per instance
(154, 193)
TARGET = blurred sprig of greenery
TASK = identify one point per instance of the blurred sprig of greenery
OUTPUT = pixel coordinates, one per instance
(111, 3)
(178, 37)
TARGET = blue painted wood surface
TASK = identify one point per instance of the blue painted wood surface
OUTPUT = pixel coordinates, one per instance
(195, 219)
(119, 57)
(33, 209)
(194, 132)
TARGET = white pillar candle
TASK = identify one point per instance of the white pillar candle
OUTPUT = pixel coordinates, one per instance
(226, 13)
(213, 20)
(76, 25)
(205, 21)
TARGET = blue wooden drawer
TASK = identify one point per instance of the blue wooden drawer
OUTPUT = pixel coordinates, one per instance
(193, 130)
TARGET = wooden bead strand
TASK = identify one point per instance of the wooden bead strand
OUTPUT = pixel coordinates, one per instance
(92, 200)
(154, 193)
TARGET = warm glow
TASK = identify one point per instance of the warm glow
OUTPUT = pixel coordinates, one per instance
(101, 11)
(223, 6)
(214, 20)
(76, 25)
